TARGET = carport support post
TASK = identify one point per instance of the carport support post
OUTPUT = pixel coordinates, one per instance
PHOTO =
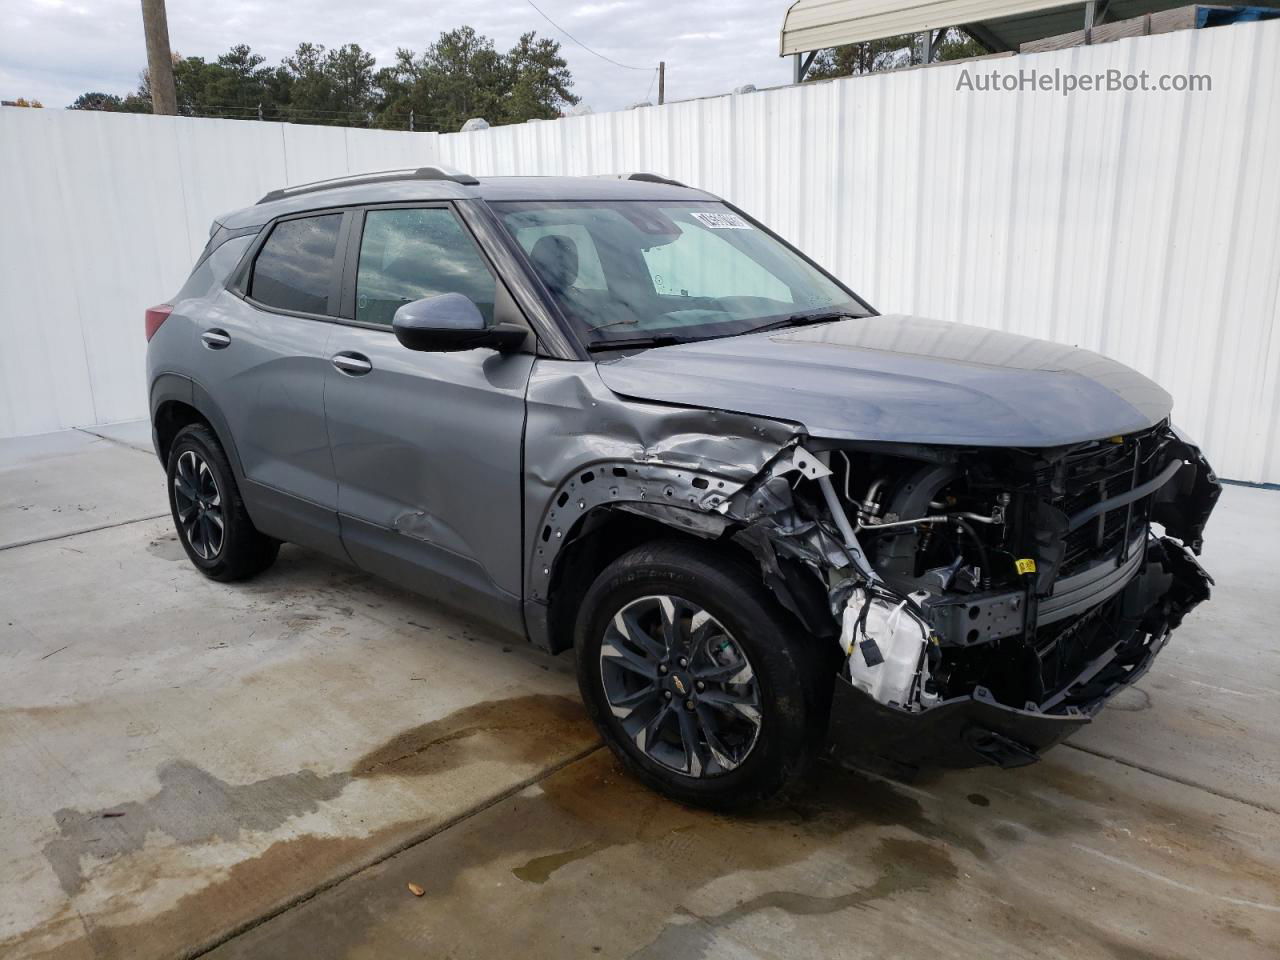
(662, 82)
(155, 24)
(802, 63)
(1095, 12)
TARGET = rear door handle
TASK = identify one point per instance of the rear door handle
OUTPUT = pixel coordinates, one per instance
(216, 339)
(352, 364)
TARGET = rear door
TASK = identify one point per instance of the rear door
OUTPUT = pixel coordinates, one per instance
(427, 446)
(265, 361)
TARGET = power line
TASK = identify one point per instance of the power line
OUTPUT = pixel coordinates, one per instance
(625, 66)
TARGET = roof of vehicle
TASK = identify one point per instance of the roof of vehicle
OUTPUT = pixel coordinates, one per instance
(437, 183)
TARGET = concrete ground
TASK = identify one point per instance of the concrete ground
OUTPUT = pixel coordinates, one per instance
(262, 769)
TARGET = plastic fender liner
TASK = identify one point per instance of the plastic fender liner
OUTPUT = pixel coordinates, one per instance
(1183, 504)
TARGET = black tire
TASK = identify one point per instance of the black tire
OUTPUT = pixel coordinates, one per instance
(786, 686)
(241, 551)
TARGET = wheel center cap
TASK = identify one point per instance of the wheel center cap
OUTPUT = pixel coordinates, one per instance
(683, 685)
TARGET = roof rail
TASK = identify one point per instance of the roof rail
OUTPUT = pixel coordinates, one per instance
(653, 178)
(420, 173)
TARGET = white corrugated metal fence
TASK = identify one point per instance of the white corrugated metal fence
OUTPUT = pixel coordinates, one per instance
(1145, 225)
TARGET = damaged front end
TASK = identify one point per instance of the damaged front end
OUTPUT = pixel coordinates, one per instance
(985, 602)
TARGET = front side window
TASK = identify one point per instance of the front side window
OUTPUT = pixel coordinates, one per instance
(296, 267)
(409, 254)
(647, 269)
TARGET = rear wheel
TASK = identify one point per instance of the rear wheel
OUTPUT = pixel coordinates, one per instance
(696, 679)
(208, 513)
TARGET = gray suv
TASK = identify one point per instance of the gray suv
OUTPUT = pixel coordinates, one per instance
(620, 415)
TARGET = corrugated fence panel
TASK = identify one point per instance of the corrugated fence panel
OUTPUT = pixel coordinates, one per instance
(1144, 225)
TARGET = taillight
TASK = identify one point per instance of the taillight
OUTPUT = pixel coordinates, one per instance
(157, 316)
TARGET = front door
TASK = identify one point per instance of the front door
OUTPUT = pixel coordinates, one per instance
(427, 446)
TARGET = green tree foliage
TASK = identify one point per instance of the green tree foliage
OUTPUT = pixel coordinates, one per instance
(887, 53)
(133, 103)
(330, 86)
(539, 81)
(461, 75)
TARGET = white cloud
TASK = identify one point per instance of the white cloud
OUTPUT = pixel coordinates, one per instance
(53, 50)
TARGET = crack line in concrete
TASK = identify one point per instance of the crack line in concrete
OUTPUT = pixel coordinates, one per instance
(1176, 884)
(119, 443)
(75, 533)
(413, 841)
(1225, 795)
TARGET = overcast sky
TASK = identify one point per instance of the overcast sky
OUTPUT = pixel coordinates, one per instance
(54, 50)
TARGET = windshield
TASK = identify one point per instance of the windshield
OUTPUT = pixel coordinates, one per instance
(672, 271)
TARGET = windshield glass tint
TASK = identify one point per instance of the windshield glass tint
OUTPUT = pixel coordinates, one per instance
(622, 270)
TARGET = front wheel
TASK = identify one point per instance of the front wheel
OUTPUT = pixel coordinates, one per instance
(696, 679)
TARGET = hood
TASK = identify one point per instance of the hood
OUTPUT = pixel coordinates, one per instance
(904, 380)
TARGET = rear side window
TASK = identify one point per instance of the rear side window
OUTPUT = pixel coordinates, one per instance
(409, 254)
(296, 267)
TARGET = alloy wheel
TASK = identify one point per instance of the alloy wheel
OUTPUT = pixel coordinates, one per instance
(681, 687)
(199, 505)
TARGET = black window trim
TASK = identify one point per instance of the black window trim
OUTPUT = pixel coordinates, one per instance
(350, 233)
(240, 283)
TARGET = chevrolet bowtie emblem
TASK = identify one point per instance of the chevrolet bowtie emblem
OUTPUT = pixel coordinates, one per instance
(679, 685)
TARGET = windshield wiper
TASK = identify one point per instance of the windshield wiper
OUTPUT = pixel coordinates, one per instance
(804, 319)
(667, 339)
(658, 340)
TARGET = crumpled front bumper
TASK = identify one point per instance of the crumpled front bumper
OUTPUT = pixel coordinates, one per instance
(977, 729)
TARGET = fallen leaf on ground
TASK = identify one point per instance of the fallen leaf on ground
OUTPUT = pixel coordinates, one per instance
(416, 890)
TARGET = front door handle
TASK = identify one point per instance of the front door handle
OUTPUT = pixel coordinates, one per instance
(352, 364)
(216, 339)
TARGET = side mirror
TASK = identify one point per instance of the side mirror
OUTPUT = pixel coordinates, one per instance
(451, 322)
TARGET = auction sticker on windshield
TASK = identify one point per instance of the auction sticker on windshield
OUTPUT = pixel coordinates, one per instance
(721, 221)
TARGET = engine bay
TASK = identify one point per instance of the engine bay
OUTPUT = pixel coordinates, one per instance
(1037, 579)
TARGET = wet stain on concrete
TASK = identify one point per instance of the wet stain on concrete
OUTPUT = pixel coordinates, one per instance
(540, 869)
(167, 548)
(904, 865)
(192, 806)
(1130, 700)
(844, 841)
(531, 729)
(249, 888)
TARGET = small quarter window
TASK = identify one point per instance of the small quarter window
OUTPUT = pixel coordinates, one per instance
(214, 269)
(295, 268)
(409, 254)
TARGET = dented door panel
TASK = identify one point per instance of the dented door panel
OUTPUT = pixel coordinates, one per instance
(426, 448)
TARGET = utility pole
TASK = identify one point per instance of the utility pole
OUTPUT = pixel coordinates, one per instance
(662, 81)
(164, 97)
